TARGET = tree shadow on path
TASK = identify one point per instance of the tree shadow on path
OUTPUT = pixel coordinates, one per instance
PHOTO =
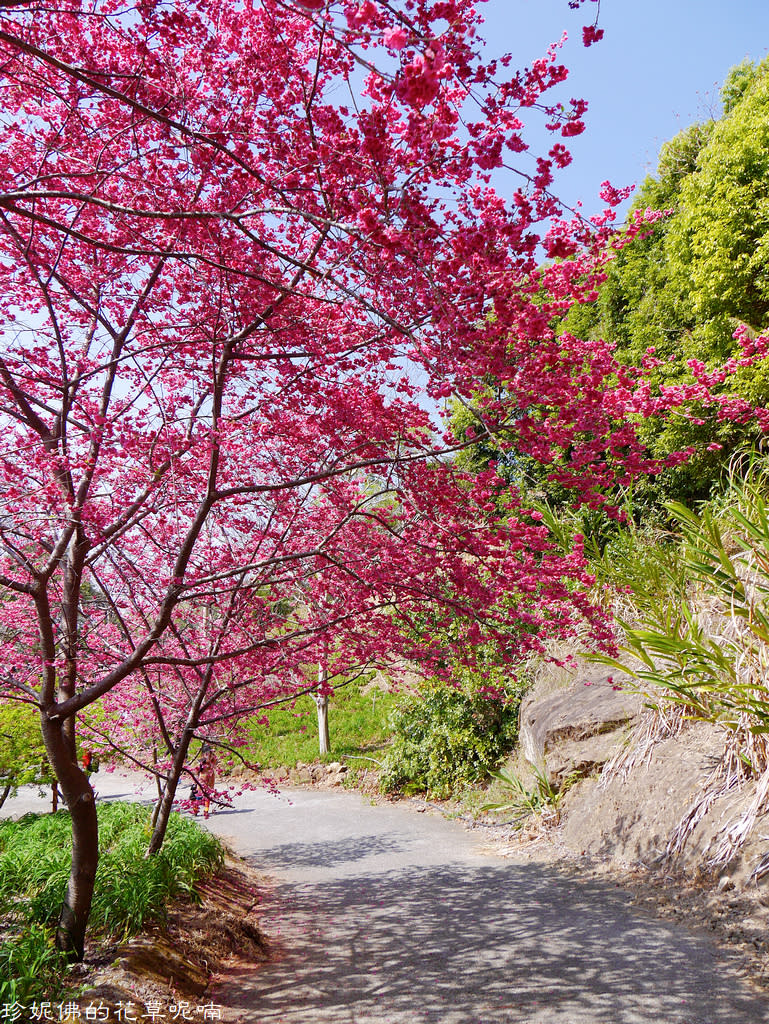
(488, 944)
(335, 853)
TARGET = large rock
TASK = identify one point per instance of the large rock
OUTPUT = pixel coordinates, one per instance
(632, 816)
(576, 730)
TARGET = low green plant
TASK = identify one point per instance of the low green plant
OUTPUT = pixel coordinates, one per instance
(30, 966)
(447, 737)
(541, 798)
(131, 889)
(34, 865)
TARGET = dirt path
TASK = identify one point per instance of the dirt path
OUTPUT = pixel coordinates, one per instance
(380, 915)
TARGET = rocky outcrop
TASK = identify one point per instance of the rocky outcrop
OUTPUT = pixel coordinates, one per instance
(648, 793)
(575, 730)
(634, 813)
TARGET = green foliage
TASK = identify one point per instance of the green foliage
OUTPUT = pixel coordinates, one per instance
(23, 759)
(357, 723)
(701, 273)
(676, 295)
(697, 616)
(130, 889)
(447, 737)
(737, 83)
(31, 967)
(466, 425)
(644, 562)
(677, 160)
(718, 242)
(543, 798)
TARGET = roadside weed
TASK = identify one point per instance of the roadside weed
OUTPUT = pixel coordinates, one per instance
(543, 798)
(30, 965)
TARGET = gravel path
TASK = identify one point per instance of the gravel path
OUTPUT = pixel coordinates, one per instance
(380, 915)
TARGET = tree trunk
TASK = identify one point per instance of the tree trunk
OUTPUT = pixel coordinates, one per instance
(324, 743)
(321, 703)
(76, 790)
(6, 791)
(165, 805)
(166, 802)
(73, 920)
(159, 786)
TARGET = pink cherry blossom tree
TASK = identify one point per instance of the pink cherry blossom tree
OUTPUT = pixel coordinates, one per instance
(244, 250)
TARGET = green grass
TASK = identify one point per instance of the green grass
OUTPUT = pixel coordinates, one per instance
(357, 724)
(130, 890)
(30, 967)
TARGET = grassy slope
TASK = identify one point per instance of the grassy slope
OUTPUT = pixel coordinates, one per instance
(357, 724)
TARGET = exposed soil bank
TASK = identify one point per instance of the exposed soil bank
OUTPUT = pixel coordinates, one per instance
(175, 964)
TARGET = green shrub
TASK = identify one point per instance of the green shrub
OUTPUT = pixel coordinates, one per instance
(447, 737)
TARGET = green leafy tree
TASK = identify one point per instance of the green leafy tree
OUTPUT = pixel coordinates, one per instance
(702, 272)
(23, 760)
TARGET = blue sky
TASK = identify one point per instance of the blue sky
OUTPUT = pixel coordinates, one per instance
(657, 69)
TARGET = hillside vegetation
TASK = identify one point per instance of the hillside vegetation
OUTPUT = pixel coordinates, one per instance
(703, 272)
